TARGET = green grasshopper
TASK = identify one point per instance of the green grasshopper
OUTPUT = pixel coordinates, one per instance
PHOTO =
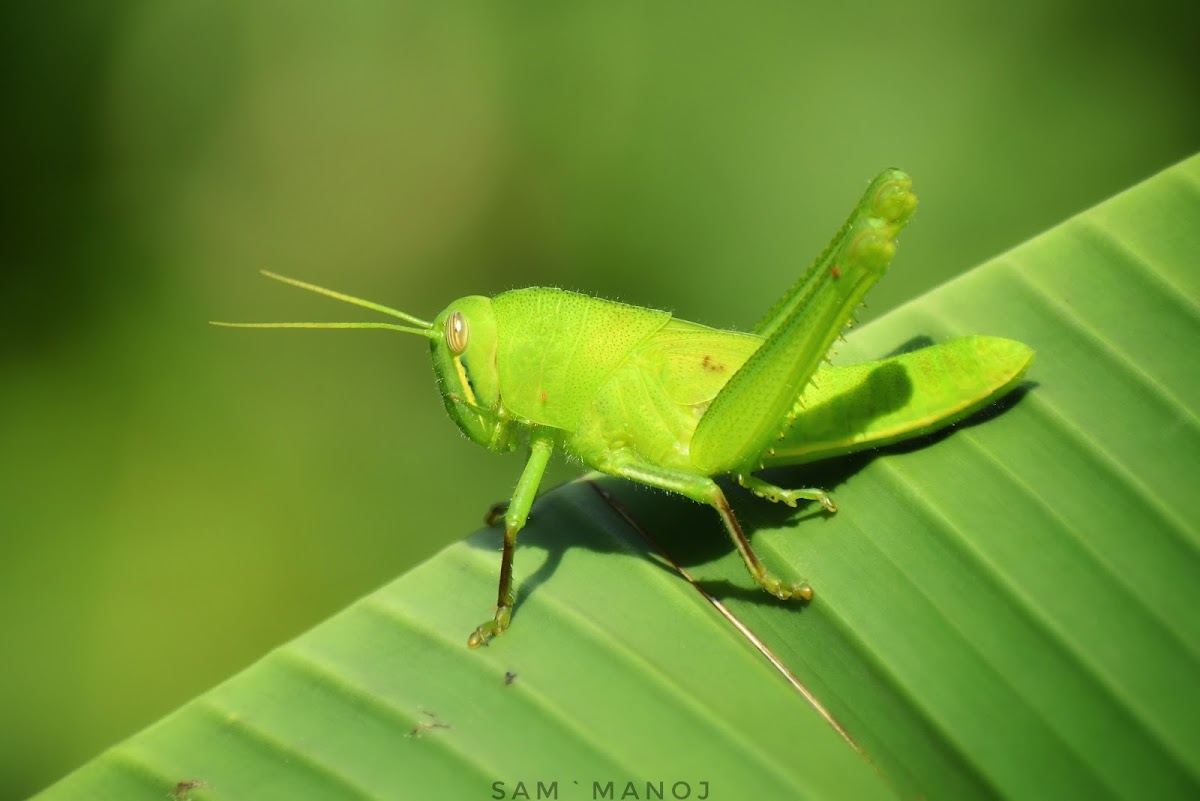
(639, 394)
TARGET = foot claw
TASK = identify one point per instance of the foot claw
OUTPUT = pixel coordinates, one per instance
(484, 634)
(495, 514)
(801, 590)
(776, 494)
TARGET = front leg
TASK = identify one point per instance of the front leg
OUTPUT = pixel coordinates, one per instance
(540, 449)
(703, 489)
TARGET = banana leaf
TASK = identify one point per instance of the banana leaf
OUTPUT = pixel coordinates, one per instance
(1006, 609)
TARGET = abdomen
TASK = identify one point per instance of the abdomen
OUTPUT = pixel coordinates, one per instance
(648, 410)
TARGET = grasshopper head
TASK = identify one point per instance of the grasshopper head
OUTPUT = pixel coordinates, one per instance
(463, 342)
(463, 346)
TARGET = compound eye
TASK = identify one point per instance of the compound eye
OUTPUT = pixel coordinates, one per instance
(456, 333)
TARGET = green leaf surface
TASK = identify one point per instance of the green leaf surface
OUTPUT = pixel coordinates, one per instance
(1007, 609)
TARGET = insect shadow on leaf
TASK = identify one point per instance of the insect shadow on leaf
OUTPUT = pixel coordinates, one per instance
(670, 530)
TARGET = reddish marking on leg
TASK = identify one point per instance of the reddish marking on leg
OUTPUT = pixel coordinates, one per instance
(748, 553)
(505, 594)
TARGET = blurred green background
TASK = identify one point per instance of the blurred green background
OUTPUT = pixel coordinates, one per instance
(176, 499)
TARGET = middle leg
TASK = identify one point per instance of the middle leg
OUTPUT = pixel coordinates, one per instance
(703, 489)
(774, 494)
